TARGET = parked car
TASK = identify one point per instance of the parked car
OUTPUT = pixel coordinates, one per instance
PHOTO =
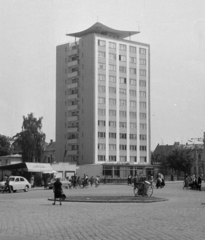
(16, 183)
(64, 181)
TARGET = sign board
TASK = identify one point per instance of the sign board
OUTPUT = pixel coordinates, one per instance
(38, 167)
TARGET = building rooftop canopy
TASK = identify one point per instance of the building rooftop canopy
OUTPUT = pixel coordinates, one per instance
(99, 28)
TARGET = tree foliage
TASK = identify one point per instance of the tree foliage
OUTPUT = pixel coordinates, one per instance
(31, 138)
(180, 159)
(5, 148)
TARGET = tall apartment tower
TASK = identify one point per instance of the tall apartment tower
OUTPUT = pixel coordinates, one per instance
(103, 99)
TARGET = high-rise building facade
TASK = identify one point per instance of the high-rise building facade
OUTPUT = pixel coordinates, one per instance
(103, 98)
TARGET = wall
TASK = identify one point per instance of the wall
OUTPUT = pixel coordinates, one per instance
(90, 170)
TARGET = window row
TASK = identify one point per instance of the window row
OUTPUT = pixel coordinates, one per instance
(122, 80)
(102, 146)
(112, 101)
(122, 69)
(122, 47)
(114, 135)
(113, 158)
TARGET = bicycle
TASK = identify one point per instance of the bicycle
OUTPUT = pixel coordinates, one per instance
(144, 188)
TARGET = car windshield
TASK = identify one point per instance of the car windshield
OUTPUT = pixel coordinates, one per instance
(11, 179)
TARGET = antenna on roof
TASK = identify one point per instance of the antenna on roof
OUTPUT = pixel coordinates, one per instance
(138, 26)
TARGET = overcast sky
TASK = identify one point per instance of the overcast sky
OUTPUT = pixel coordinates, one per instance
(175, 29)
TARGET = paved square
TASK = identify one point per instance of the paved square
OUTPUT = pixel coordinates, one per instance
(29, 216)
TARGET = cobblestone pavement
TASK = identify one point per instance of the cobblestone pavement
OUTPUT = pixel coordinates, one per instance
(29, 216)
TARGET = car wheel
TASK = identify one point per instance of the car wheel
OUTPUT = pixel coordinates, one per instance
(26, 188)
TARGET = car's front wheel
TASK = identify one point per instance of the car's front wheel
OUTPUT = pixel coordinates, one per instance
(26, 188)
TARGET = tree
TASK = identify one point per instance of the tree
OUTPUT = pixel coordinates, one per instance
(5, 148)
(180, 159)
(31, 139)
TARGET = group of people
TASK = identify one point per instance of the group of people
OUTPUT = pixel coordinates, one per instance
(160, 183)
(84, 181)
(193, 182)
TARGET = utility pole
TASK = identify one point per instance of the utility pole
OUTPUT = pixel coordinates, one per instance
(204, 154)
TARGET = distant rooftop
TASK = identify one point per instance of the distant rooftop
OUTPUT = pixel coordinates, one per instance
(99, 28)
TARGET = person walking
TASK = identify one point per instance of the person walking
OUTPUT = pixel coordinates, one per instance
(57, 189)
(32, 181)
(199, 182)
(7, 186)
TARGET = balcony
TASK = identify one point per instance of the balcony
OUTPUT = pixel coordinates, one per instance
(72, 85)
(72, 118)
(73, 51)
(72, 129)
(73, 74)
(70, 141)
(72, 107)
(73, 63)
(73, 96)
(72, 152)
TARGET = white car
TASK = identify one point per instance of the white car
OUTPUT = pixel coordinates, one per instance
(16, 183)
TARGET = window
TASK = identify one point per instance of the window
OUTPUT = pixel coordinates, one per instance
(112, 101)
(112, 79)
(112, 90)
(101, 123)
(123, 47)
(101, 112)
(143, 159)
(133, 125)
(123, 147)
(112, 56)
(122, 58)
(112, 146)
(122, 69)
(133, 82)
(143, 148)
(143, 94)
(112, 67)
(133, 136)
(101, 88)
(132, 92)
(112, 112)
(101, 43)
(101, 65)
(122, 80)
(123, 91)
(142, 61)
(112, 158)
(142, 115)
(101, 146)
(142, 72)
(123, 114)
(122, 102)
(101, 54)
(101, 134)
(112, 135)
(132, 70)
(123, 136)
(133, 104)
(123, 125)
(142, 104)
(143, 126)
(143, 137)
(22, 180)
(101, 77)
(101, 157)
(132, 60)
(123, 158)
(101, 100)
(112, 124)
(132, 49)
(112, 45)
(142, 83)
(133, 147)
(133, 114)
(72, 136)
(133, 159)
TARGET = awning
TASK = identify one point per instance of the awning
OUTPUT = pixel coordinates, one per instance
(38, 167)
(50, 172)
(28, 166)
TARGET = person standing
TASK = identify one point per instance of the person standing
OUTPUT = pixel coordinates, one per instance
(57, 189)
(32, 181)
(199, 182)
